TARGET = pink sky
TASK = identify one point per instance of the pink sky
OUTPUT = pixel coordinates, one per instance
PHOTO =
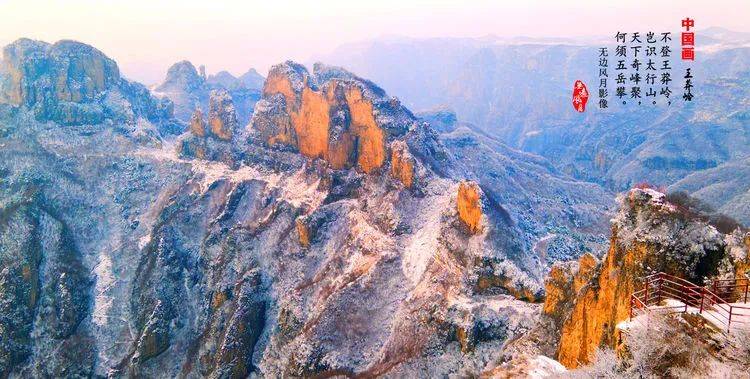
(146, 37)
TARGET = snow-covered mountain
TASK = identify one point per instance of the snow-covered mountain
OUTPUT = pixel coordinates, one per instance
(189, 90)
(518, 91)
(337, 234)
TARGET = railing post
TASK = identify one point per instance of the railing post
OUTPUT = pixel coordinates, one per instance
(631, 308)
(646, 295)
(658, 289)
(747, 284)
(702, 296)
(729, 324)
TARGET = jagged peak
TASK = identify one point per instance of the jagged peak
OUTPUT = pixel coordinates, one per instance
(648, 197)
(224, 79)
(213, 138)
(289, 66)
(182, 75)
(183, 66)
(295, 73)
(290, 78)
(251, 73)
(223, 74)
(220, 96)
(338, 116)
(252, 79)
(321, 75)
(222, 116)
(324, 73)
(61, 46)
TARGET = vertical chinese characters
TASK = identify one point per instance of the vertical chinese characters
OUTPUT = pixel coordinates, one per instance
(635, 64)
(642, 68)
(650, 70)
(603, 76)
(666, 69)
(621, 54)
(687, 41)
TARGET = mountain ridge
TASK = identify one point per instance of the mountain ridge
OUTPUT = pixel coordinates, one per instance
(274, 261)
(520, 94)
(189, 89)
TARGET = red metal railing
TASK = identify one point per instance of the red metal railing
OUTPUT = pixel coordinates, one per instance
(717, 307)
(731, 290)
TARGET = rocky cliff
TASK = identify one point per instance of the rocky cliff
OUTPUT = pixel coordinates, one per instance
(589, 298)
(121, 258)
(469, 206)
(75, 84)
(330, 114)
(217, 138)
(339, 235)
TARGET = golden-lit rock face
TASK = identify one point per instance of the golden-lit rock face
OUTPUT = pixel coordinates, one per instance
(218, 299)
(222, 117)
(219, 128)
(558, 288)
(371, 148)
(197, 125)
(742, 263)
(587, 265)
(212, 140)
(469, 206)
(279, 83)
(599, 304)
(360, 141)
(588, 300)
(310, 124)
(740, 252)
(402, 164)
(304, 233)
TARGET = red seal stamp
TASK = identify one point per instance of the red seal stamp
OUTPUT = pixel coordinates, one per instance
(580, 96)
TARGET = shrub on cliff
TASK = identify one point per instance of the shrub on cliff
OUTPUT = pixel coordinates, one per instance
(668, 346)
(694, 208)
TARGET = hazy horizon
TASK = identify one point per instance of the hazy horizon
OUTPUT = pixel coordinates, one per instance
(145, 39)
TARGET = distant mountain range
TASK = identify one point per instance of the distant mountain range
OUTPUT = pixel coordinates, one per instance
(519, 91)
(189, 90)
